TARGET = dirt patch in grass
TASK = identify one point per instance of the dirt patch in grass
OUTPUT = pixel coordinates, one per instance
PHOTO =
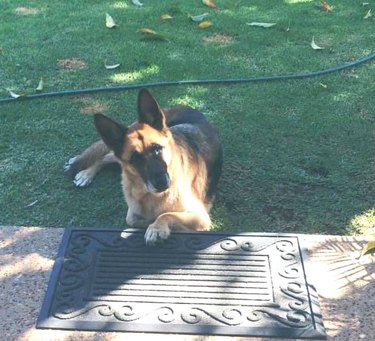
(91, 106)
(94, 108)
(71, 64)
(218, 38)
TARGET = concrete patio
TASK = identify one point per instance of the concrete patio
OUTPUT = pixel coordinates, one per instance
(345, 283)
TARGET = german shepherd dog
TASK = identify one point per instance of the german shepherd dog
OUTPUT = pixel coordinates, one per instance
(171, 161)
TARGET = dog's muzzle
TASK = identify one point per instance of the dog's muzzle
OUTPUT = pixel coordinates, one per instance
(159, 182)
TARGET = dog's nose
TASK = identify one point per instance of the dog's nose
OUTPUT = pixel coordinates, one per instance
(161, 181)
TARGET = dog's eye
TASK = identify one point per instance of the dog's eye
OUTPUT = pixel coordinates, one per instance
(156, 149)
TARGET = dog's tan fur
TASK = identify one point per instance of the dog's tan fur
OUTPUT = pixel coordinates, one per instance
(185, 204)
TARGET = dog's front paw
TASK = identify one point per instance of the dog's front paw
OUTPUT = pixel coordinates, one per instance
(83, 178)
(156, 233)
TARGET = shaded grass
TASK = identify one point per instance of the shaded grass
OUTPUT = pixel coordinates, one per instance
(299, 155)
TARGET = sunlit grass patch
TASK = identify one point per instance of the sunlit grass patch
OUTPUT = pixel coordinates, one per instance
(129, 77)
(120, 5)
(364, 223)
(22, 10)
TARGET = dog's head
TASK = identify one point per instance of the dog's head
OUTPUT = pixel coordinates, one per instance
(144, 148)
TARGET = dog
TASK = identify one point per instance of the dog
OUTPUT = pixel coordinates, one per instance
(171, 161)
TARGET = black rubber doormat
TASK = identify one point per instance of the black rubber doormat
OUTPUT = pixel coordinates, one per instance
(195, 283)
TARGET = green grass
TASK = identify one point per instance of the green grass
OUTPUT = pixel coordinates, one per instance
(299, 155)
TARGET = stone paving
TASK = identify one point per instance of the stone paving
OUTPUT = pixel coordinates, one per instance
(345, 283)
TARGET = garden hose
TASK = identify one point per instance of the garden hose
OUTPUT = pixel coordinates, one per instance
(193, 82)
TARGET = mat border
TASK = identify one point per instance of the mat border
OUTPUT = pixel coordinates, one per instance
(45, 322)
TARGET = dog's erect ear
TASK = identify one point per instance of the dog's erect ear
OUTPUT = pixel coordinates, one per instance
(112, 133)
(149, 111)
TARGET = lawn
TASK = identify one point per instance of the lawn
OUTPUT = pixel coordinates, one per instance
(299, 154)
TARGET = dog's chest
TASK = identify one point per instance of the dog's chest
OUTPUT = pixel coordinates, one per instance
(155, 205)
(151, 205)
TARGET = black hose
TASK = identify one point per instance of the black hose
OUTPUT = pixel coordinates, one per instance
(193, 82)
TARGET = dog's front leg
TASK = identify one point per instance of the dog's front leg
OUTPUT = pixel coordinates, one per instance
(135, 216)
(161, 228)
(136, 220)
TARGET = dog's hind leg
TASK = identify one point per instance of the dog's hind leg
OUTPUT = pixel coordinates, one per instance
(86, 176)
(85, 166)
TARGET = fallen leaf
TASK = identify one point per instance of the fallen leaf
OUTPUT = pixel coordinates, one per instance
(325, 6)
(152, 35)
(137, 3)
(40, 85)
(147, 31)
(112, 67)
(315, 46)
(352, 75)
(109, 22)
(32, 204)
(165, 17)
(205, 24)
(368, 248)
(199, 18)
(261, 24)
(13, 94)
(368, 15)
(209, 3)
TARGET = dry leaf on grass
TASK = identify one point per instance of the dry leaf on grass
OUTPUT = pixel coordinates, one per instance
(111, 66)
(152, 35)
(165, 17)
(109, 22)
(199, 18)
(209, 3)
(261, 24)
(13, 94)
(205, 24)
(147, 31)
(32, 203)
(40, 85)
(137, 3)
(315, 46)
(368, 15)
